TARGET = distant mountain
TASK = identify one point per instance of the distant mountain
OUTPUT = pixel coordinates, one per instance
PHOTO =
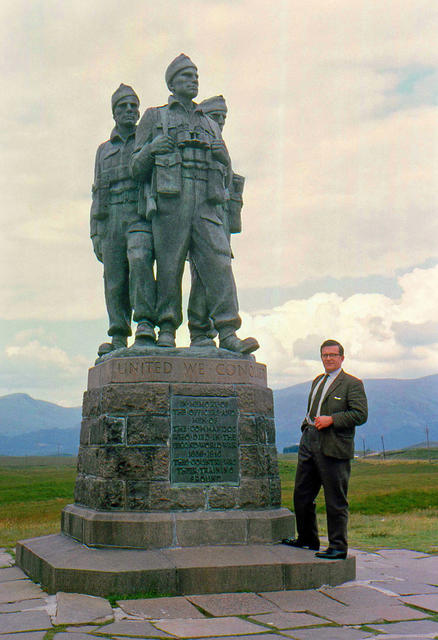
(19, 413)
(47, 442)
(433, 444)
(32, 427)
(399, 410)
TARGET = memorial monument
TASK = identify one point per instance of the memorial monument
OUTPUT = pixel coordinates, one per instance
(178, 489)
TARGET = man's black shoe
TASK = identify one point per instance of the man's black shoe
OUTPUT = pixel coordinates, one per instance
(332, 554)
(296, 542)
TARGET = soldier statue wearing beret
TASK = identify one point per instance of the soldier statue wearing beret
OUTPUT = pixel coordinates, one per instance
(122, 240)
(182, 161)
(201, 327)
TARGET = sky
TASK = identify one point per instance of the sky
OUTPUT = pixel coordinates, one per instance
(333, 120)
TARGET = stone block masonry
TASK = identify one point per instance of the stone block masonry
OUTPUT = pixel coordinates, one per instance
(177, 451)
(177, 434)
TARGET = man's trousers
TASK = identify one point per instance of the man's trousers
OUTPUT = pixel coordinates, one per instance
(313, 471)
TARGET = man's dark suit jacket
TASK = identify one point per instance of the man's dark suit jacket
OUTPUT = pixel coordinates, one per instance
(346, 402)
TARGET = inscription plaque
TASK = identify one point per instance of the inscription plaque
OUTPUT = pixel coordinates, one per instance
(203, 442)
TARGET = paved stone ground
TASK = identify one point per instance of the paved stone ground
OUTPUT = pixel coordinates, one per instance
(394, 597)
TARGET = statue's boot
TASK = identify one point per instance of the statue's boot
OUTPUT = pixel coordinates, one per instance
(117, 342)
(202, 340)
(145, 334)
(233, 343)
(166, 338)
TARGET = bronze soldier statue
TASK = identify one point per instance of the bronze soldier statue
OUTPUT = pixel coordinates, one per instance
(122, 240)
(201, 326)
(182, 161)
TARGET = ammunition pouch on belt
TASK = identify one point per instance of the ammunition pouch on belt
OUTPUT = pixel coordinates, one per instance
(102, 189)
(150, 202)
(107, 195)
(124, 195)
(235, 203)
(215, 181)
(168, 174)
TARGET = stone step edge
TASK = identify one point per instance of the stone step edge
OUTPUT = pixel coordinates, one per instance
(62, 564)
(152, 530)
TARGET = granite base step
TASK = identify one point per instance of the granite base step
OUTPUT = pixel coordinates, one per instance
(60, 563)
(158, 530)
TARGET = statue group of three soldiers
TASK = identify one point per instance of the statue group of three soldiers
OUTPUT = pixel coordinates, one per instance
(164, 192)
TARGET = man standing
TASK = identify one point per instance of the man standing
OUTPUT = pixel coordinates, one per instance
(181, 159)
(121, 239)
(201, 327)
(337, 404)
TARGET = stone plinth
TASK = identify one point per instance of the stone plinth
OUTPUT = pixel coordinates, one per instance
(171, 433)
(155, 530)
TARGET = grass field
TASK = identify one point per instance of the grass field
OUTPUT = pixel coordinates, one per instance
(33, 491)
(414, 454)
(393, 503)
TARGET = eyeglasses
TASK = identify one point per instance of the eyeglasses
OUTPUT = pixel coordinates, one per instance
(325, 356)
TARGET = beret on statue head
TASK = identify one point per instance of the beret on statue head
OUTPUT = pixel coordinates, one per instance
(216, 103)
(181, 62)
(123, 91)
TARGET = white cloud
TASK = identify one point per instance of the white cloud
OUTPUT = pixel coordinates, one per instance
(33, 364)
(368, 325)
(38, 355)
(383, 337)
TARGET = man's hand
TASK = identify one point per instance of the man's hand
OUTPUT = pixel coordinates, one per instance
(161, 144)
(97, 247)
(219, 151)
(322, 422)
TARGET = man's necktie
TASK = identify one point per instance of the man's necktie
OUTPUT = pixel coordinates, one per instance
(317, 398)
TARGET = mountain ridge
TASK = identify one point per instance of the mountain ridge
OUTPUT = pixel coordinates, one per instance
(399, 410)
(20, 413)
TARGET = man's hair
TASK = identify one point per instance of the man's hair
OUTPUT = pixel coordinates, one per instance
(332, 343)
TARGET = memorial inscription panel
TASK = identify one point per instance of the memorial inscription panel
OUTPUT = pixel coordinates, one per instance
(177, 369)
(204, 443)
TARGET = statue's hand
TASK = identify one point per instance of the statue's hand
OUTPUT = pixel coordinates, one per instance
(219, 151)
(161, 144)
(97, 247)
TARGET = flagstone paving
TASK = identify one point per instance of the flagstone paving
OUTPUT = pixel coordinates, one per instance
(30, 635)
(83, 628)
(13, 573)
(25, 621)
(232, 604)
(229, 626)
(394, 597)
(404, 587)
(22, 605)
(19, 590)
(426, 627)
(76, 608)
(424, 601)
(132, 628)
(6, 560)
(178, 607)
(283, 620)
(331, 634)
(64, 635)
